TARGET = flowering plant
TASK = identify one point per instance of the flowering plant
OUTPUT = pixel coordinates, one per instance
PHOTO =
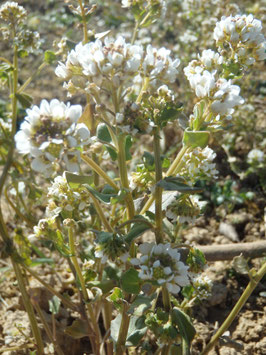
(102, 196)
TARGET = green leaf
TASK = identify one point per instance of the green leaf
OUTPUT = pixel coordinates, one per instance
(103, 133)
(137, 229)
(186, 328)
(177, 184)
(54, 305)
(39, 261)
(116, 298)
(196, 139)
(102, 237)
(75, 181)
(112, 152)
(78, 329)
(169, 113)
(49, 57)
(105, 285)
(130, 281)
(141, 304)
(24, 99)
(148, 160)
(106, 198)
(128, 144)
(60, 244)
(136, 330)
(22, 53)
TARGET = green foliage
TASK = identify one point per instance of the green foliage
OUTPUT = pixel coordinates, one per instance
(130, 281)
(177, 184)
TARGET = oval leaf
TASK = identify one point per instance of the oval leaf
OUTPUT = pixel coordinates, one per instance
(196, 139)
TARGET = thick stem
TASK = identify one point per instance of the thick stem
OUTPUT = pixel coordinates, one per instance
(124, 177)
(166, 299)
(101, 213)
(84, 22)
(99, 171)
(122, 336)
(158, 190)
(242, 300)
(173, 170)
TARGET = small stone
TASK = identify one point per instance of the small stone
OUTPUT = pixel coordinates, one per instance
(229, 231)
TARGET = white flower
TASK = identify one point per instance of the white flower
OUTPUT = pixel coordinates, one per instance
(226, 97)
(199, 163)
(51, 134)
(255, 156)
(12, 11)
(95, 65)
(161, 263)
(244, 35)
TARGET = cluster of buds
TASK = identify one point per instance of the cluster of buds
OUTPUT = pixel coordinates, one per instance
(110, 64)
(66, 201)
(243, 35)
(15, 17)
(142, 179)
(50, 134)
(199, 164)
(160, 264)
(112, 247)
(184, 209)
(155, 8)
(221, 93)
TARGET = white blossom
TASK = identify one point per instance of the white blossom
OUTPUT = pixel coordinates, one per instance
(161, 263)
(244, 35)
(255, 156)
(226, 97)
(50, 134)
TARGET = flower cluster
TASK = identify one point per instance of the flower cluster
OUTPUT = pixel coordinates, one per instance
(184, 209)
(203, 78)
(199, 164)
(64, 200)
(161, 264)
(12, 12)
(111, 246)
(15, 17)
(113, 63)
(255, 156)
(243, 34)
(50, 134)
(142, 179)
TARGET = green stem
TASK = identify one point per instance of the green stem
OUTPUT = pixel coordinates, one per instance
(173, 170)
(74, 260)
(166, 299)
(158, 190)
(144, 88)
(99, 171)
(84, 22)
(136, 29)
(123, 175)
(122, 336)
(101, 213)
(242, 300)
(28, 306)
